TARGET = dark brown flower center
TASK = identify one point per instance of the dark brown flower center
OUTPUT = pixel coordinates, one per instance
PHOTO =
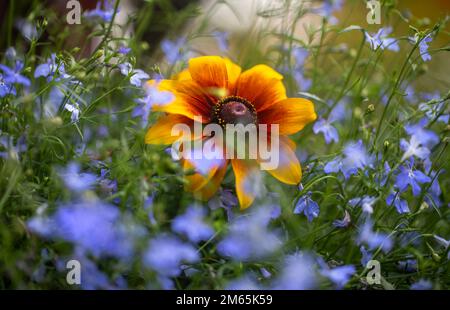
(234, 110)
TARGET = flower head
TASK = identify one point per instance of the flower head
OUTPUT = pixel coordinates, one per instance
(307, 206)
(408, 176)
(382, 41)
(215, 89)
(13, 76)
(192, 225)
(76, 180)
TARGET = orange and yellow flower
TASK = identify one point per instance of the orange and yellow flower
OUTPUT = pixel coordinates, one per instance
(213, 86)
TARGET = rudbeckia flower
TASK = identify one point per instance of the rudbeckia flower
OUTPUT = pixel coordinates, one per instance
(221, 93)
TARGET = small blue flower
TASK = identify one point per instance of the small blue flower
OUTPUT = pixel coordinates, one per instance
(299, 54)
(366, 203)
(424, 136)
(75, 180)
(400, 204)
(224, 199)
(192, 225)
(104, 14)
(6, 88)
(382, 41)
(13, 76)
(435, 110)
(366, 256)
(297, 273)
(423, 47)
(137, 75)
(166, 253)
(249, 238)
(422, 285)
(409, 265)
(328, 8)
(173, 49)
(329, 132)
(410, 177)
(51, 69)
(74, 110)
(124, 50)
(339, 275)
(222, 38)
(343, 223)
(413, 147)
(153, 97)
(307, 206)
(354, 157)
(374, 239)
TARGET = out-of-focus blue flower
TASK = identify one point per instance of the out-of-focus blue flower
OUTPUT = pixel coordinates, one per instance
(13, 76)
(381, 40)
(400, 204)
(123, 50)
(303, 83)
(153, 97)
(298, 273)
(173, 49)
(166, 253)
(104, 14)
(329, 132)
(307, 206)
(27, 29)
(411, 177)
(366, 203)
(409, 265)
(354, 157)
(92, 226)
(328, 8)
(265, 273)
(249, 238)
(51, 69)
(443, 242)
(423, 47)
(107, 185)
(222, 38)
(374, 239)
(224, 199)
(6, 88)
(148, 206)
(435, 110)
(410, 94)
(75, 180)
(339, 275)
(246, 282)
(74, 110)
(422, 285)
(366, 256)
(299, 54)
(192, 225)
(413, 147)
(137, 75)
(344, 222)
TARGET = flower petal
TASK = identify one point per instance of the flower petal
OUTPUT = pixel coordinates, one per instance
(210, 188)
(262, 86)
(243, 170)
(160, 132)
(288, 170)
(189, 100)
(209, 71)
(291, 115)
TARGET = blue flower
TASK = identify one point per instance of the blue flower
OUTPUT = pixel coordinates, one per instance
(327, 9)
(400, 204)
(192, 225)
(13, 150)
(123, 50)
(423, 47)
(409, 265)
(224, 199)
(366, 203)
(249, 238)
(107, 185)
(411, 177)
(6, 88)
(435, 110)
(166, 253)
(413, 147)
(422, 285)
(75, 180)
(423, 136)
(13, 76)
(91, 225)
(354, 157)
(74, 110)
(173, 49)
(329, 132)
(299, 54)
(51, 69)
(104, 14)
(307, 206)
(374, 239)
(366, 256)
(303, 83)
(381, 40)
(137, 75)
(27, 29)
(222, 38)
(339, 275)
(297, 273)
(153, 97)
(345, 222)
